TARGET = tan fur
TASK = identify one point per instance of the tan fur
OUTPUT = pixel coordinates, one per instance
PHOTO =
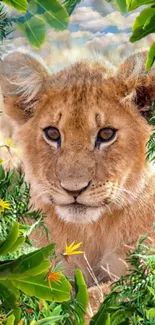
(118, 205)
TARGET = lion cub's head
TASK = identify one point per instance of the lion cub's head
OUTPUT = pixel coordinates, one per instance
(83, 135)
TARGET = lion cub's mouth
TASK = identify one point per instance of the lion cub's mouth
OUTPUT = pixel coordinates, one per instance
(76, 206)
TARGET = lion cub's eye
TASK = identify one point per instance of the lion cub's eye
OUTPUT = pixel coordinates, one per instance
(105, 135)
(52, 134)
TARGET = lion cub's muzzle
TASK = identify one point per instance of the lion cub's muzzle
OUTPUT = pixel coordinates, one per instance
(75, 189)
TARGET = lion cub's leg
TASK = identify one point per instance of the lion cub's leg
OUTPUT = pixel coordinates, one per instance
(97, 295)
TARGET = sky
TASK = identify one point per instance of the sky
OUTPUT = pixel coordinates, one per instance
(95, 26)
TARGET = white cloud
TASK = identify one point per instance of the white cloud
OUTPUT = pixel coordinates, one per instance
(90, 20)
(109, 39)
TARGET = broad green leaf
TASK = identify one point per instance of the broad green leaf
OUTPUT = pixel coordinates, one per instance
(30, 263)
(11, 239)
(7, 297)
(39, 287)
(10, 320)
(133, 4)
(34, 30)
(143, 17)
(81, 296)
(20, 5)
(150, 57)
(8, 284)
(122, 6)
(42, 267)
(20, 241)
(54, 13)
(140, 32)
(9, 300)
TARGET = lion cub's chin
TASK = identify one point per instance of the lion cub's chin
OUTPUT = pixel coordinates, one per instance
(79, 213)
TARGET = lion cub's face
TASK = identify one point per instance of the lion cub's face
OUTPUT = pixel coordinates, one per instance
(83, 147)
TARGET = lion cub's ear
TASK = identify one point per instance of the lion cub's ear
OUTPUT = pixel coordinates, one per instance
(23, 79)
(140, 84)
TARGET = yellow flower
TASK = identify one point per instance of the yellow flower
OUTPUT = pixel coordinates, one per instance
(1, 161)
(72, 249)
(9, 143)
(4, 205)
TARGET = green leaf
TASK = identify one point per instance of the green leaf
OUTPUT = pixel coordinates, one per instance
(9, 300)
(81, 296)
(10, 320)
(34, 30)
(143, 16)
(150, 314)
(70, 5)
(8, 284)
(122, 6)
(25, 265)
(20, 5)
(38, 287)
(54, 13)
(20, 241)
(7, 297)
(101, 318)
(50, 320)
(2, 173)
(150, 57)
(141, 32)
(11, 239)
(133, 4)
(119, 317)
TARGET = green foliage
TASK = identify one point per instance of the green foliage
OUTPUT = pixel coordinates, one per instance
(36, 15)
(5, 24)
(144, 24)
(31, 292)
(132, 299)
(20, 5)
(151, 143)
(70, 5)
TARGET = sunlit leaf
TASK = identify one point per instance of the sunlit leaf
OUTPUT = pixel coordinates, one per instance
(20, 5)
(34, 30)
(122, 6)
(10, 320)
(81, 296)
(54, 13)
(133, 4)
(150, 57)
(143, 16)
(11, 239)
(38, 287)
(141, 32)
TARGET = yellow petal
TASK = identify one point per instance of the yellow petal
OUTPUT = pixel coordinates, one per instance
(72, 244)
(76, 246)
(74, 253)
(9, 142)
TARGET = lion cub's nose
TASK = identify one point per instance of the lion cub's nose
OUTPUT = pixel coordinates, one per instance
(75, 189)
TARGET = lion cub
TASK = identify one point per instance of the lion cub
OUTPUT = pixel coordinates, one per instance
(83, 137)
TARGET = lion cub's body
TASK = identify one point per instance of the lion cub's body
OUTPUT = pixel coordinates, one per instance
(116, 204)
